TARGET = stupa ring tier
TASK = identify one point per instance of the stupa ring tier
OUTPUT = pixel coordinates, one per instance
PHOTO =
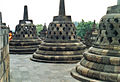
(102, 61)
(25, 40)
(24, 46)
(62, 53)
(62, 46)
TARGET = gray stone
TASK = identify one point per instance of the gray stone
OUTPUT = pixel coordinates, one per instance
(38, 72)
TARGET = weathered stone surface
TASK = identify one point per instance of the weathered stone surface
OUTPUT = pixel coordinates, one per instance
(90, 36)
(25, 40)
(43, 33)
(24, 70)
(61, 44)
(105, 53)
(4, 52)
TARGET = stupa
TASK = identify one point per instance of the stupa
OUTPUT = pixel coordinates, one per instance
(101, 63)
(43, 32)
(25, 39)
(61, 44)
(91, 36)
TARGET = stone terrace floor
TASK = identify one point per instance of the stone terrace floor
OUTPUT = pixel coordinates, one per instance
(22, 69)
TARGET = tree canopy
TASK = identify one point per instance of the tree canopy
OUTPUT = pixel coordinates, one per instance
(83, 27)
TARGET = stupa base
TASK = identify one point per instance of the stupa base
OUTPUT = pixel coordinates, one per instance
(24, 46)
(22, 51)
(79, 77)
(56, 59)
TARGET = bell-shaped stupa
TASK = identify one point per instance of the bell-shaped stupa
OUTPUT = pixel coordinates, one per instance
(25, 39)
(43, 32)
(61, 44)
(101, 63)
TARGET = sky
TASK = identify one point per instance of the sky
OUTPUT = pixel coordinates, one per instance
(42, 11)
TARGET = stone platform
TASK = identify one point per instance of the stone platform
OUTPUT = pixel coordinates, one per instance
(24, 70)
(28, 46)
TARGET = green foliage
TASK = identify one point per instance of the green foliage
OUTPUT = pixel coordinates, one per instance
(39, 27)
(84, 27)
(81, 27)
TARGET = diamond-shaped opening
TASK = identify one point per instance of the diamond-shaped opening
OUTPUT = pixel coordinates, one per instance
(72, 33)
(25, 32)
(115, 33)
(104, 26)
(110, 39)
(57, 37)
(21, 32)
(75, 32)
(50, 32)
(60, 25)
(23, 35)
(57, 28)
(106, 33)
(64, 28)
(66, 33)
(69, 37)
(97, 38)
(74, 37)
(108, 20)
(60, 33)
(63, 37)
(71, 25)
(54, 25)
(100, 32)
(69, 28)
(119, 41)
(54, 32)
(66, 25)
(51, 37)
(116, 20)
(111, 26)
(101, 39)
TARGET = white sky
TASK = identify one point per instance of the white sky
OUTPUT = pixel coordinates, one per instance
(42, 11)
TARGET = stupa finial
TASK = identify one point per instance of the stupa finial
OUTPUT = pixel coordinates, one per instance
(0, 18)
(62, 8)
(25, 17)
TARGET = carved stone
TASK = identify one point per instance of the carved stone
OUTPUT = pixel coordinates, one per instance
(101, 63)
(4, 52)
(61, 44)
(25, 39)
(43, 33)
(91, 36)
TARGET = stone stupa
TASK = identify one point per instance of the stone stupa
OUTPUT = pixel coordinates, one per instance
(61, 44)
(90, 36)
(43, 32)
(101, 63)
(25, 39)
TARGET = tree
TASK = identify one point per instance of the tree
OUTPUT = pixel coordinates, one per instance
(39, 27)
(83, 27)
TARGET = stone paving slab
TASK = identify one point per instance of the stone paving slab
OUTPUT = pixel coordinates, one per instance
(22, 69)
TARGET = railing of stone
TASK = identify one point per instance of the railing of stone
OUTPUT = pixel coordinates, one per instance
(4, 54)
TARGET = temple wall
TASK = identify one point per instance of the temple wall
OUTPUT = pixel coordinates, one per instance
(4, 55)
